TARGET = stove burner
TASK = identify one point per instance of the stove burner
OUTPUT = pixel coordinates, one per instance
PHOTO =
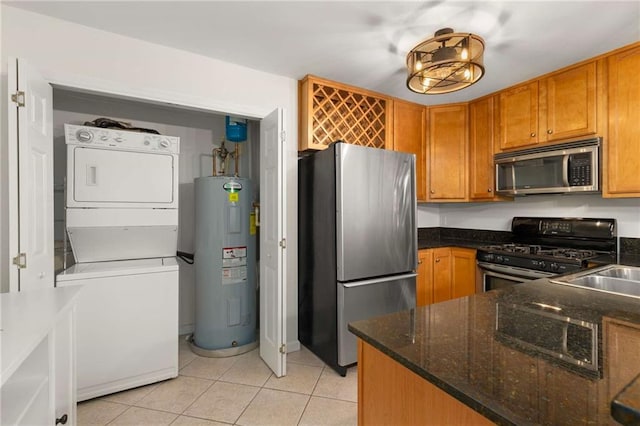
(569, 253)
(537, 250)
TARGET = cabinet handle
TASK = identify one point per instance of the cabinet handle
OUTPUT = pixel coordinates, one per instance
(489, 190)
(549, 131)
(432, 191)
(62, 420)
(419, 262)
(437, 260)
(533, 135)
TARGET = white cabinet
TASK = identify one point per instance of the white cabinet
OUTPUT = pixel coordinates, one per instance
(37, 346)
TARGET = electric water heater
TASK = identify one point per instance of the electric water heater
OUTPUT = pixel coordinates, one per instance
(225, 262)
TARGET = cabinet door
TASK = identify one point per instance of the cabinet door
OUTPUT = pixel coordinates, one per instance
(463, 272)
(424, 281)
(622, 357)
(569, 99)
(519, 116)
(409, 136)
(481, 139)
(448, 155)
(441, 274)
(620, 174)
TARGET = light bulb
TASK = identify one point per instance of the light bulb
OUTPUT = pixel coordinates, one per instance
(425, 81)
(418, 65)
(464, 54)
(467, 74)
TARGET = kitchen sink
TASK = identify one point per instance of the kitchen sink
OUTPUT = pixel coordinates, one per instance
(614, 279)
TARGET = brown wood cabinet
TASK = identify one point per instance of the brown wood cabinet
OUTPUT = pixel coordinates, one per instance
(622, 360)
(568, 103)
(518, 108)
(561, 106)
(483, 125)
(445, 273)
(447, 141)
(409, 135)
(330, 111)
(391, 394)
(424, 283)
(622, 147)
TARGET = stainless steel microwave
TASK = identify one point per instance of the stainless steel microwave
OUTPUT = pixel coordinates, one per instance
(565, 168)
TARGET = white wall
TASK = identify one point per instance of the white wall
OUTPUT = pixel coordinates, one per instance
(73, 55)
(497, 216)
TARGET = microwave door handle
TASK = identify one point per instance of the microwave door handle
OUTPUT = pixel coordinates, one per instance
(513, 177)
(565, 170)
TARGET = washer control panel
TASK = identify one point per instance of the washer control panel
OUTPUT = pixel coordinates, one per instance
(120, 139)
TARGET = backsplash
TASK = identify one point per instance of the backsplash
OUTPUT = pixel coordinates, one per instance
(497, 216)
(478, 235)
(630, 246)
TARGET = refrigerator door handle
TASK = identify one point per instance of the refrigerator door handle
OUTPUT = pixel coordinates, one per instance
(378, 280)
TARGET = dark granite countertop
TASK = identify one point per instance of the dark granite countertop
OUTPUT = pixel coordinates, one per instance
(625, 407)
(455, 346)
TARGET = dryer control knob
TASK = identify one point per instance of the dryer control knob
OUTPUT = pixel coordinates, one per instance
(119, 139)
(84, 135)
(164, 143)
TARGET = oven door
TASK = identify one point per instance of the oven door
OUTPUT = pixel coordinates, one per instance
(494, 276)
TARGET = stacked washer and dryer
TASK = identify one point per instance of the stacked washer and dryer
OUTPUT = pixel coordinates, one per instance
(122, 223)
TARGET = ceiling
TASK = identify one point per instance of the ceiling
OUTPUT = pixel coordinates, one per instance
(365, 43)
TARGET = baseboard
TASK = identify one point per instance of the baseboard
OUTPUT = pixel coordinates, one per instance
(293, 346)
(186, 329)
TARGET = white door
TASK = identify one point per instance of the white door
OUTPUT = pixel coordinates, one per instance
(273, 243)
(30, 178)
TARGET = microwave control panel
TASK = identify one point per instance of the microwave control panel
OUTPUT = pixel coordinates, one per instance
(580, 169)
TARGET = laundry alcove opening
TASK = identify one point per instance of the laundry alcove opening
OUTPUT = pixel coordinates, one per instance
(199, 131)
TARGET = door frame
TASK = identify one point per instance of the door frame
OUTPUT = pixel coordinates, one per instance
(117, 90)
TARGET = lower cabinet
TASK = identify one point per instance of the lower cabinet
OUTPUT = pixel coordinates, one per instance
(391, 394)
(622, 341)
(445, 273)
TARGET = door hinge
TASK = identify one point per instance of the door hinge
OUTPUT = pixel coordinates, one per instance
(18, 98)
(283, 349)
(20, 260)
(283, 136)
(283, 243)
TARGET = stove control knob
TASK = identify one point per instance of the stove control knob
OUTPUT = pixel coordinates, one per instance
(499, 259)
(542, 264)
(489, 257)
(554, 266)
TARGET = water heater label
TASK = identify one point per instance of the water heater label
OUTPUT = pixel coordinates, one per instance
(233, 197)
(234, 275)
(232, 186)
(233, 252)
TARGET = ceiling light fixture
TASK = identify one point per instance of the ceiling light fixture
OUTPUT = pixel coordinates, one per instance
(445, 63)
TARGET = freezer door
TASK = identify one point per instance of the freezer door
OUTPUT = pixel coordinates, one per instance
(375, 212)
(367, 299)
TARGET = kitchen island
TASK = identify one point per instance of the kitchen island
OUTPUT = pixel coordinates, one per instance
(534, 353)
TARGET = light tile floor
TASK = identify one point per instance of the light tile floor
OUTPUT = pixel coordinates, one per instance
(240, 390)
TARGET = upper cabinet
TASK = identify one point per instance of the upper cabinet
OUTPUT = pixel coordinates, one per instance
(482, 130)
(447, 141)
(561, 106)
(409, 134)
(621, 148)
(330, 111)
(568, 103)
(518, 116)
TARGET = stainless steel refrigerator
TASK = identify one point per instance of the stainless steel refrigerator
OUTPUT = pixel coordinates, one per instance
(357, 244)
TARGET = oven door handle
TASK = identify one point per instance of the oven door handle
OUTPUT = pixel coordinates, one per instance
(506, 277)
(512, 272)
